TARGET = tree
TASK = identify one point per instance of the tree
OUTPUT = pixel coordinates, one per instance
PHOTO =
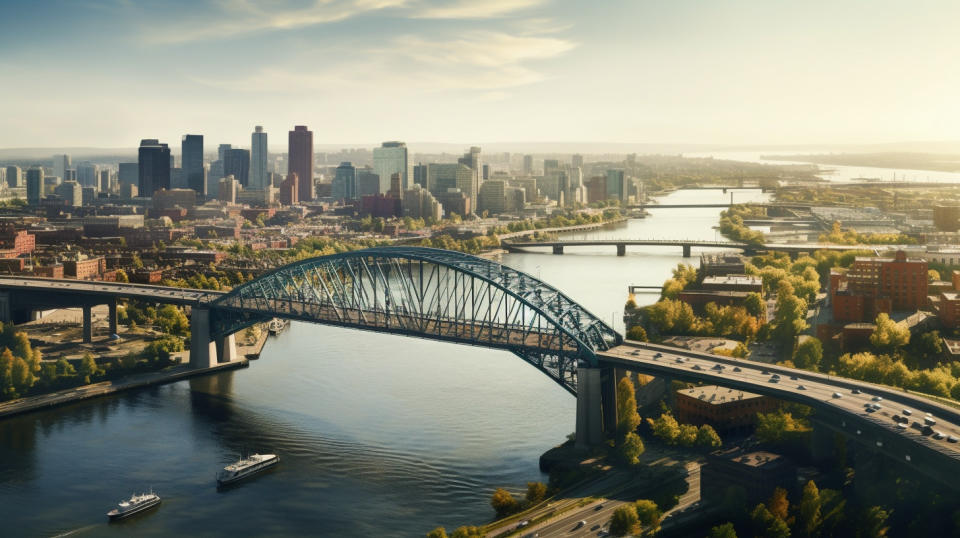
(637, 333)
(933, 275)
(648, 514)
(122, 276)
(889, 335)
(707, 437)
(627, 417)
(536, 492)
(624, 521)
(767, 525)
(809, 518)
(755, 305)
(666, 428)
(632, 448)
(777, 426)
(20, 376)
(467, 532)
(808, 354)
(503, 503)
(65, 369)
(779, 505)
(438, 532)
(88, 368)
(873, 523)
(688, 435)
(723, 531)
(789, 318)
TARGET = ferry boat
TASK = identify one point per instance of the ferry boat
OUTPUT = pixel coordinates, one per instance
(277, 325)
(136, 504)
(246, 467)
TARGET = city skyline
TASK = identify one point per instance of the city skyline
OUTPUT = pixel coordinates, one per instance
(706, 73)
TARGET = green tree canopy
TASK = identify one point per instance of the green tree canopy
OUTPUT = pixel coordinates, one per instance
(627, 417)
(503, 503)
(624, 521)
(889, 335)
(808, 354)
(632, 448)
(723, 531)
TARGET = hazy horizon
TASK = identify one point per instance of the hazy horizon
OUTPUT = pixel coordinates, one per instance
(107, 73)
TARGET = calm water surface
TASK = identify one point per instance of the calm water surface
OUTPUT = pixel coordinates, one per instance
(379, 435)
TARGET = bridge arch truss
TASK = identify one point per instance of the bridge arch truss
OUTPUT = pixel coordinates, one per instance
(429, 293)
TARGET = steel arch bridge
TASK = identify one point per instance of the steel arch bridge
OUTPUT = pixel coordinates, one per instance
(428, 293)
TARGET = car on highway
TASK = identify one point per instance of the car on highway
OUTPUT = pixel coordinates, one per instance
(764, 372)
(907, 412)
(877, 398)
(774, 380)
(837, 395)
(736, 369)
(929, 421)
(580, 524)
(523, 523)
(855, 391)
(775, 376)
(657, 355)
(952, 439)
(801, 387)
(679, 359)
(598, 507)
(793, 378)
(697, 367)
(717, 367)
(938, 435)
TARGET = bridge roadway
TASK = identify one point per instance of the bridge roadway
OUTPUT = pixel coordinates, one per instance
(558, 246)
(98, 289)
(846, 413)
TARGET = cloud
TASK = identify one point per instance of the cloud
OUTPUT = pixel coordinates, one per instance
(236, 17)
(481, 49)
(474, 9)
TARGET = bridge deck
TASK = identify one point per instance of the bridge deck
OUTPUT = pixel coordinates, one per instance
(163, 294)
(818, 392)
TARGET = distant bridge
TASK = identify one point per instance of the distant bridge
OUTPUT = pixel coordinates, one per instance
(557, 246)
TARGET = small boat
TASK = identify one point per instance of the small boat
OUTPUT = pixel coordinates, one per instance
(136, 504)
(246, 467)
(277, 325)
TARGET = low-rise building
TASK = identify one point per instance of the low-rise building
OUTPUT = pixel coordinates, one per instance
(726, 410)
(758, 473)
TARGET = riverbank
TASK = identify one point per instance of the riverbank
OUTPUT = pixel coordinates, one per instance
(104, 388)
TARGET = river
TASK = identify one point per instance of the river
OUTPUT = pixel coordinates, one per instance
(836, 172)
(379, 435)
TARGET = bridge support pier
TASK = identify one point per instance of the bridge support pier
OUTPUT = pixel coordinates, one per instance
(227, 349)
(821, 444)
(686, 251)
(589, 407)
(558, 249)
(6, 315)
(87, 324)
(621, 249)
(203, 350)
(112, 316)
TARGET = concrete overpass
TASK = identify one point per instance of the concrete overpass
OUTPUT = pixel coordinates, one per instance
(21, 298)
(838, 407)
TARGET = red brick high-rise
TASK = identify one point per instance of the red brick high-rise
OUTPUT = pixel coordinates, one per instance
(289, 190)
(300, 149)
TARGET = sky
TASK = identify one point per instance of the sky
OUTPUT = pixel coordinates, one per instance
(106, 73)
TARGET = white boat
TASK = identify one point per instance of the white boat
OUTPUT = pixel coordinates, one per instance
(277, 325)
(246, 467)
(136, 504)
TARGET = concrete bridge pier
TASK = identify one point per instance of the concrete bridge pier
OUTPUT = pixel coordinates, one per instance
(6, 315)
(203, 350)
(589, 407)
(621, 249)
(558, 249)
(822, 444)
(686, 251)
(87, 324)
(112, 316)
(227, 349)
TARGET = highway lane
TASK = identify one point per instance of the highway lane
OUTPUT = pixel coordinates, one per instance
(807, 387)
(119, 289)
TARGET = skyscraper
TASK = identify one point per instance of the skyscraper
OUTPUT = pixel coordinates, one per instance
(471, 159)
(61, 163)
(71, 192)
(388, 159)
(528, 165)
(258, 159)
(300, 150)
(420, 175)
(236, 163)
(344, 182)
(576, 161)
(14, 176)
(191, 152)
(154, 167)
(103, 181)
(616, 185)
(34, 185)
(87, 173)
